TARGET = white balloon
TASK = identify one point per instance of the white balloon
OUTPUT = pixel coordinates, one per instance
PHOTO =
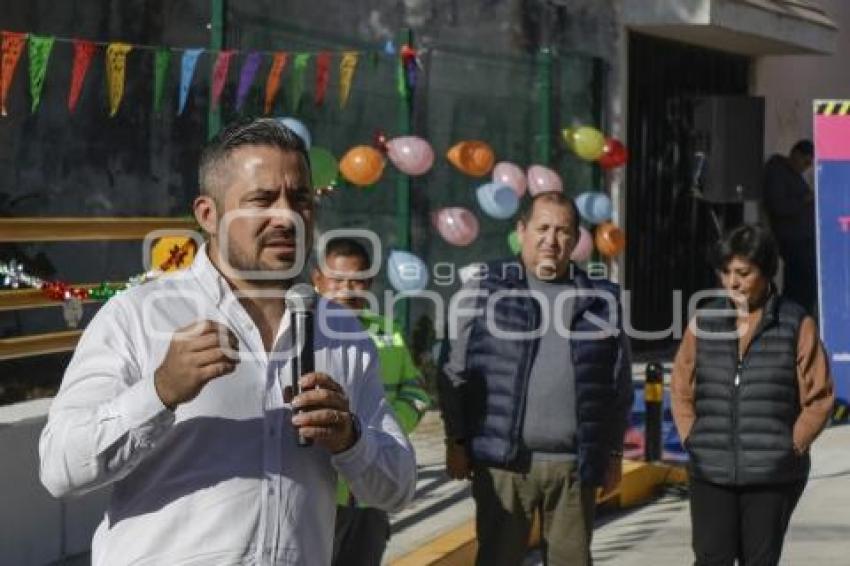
(594, 206)
(498, 200)
(299, 128)
(406, 271)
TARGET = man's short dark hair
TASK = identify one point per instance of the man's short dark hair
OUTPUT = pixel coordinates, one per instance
(804, 147)
(249, 131)
(556, 197)
(348, 247)
(751, 242)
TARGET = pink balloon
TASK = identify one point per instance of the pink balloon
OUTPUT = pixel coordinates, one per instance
(584, 247)
(510, 174)
(542, 179)
(458, 226)
(411, 154)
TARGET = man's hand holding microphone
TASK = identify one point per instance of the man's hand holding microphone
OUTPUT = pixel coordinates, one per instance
(206, 350)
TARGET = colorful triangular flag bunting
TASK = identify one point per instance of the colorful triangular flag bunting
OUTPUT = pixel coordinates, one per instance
(39, 54)
(161, 60)
(222, 64)
(273, 80)
(116, 64)
(13, 45)
(246, 77)
(187, 70)
(323, 75)
(347, 65)
(83, 53)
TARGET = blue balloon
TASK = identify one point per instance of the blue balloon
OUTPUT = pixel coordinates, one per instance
(498, 200)
(406, 272)
(595, 207)
(299, 128)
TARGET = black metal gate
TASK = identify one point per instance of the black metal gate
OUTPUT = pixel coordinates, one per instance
(669, 230)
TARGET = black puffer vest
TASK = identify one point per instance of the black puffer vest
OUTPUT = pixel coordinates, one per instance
(746, 408)
(499, 370)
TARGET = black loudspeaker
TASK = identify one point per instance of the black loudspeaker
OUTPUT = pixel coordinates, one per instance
(728, 147)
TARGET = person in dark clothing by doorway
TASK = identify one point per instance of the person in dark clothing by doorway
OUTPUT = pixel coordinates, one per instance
(751, 390)
(790, 206)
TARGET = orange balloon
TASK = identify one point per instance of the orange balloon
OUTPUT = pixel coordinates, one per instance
(362, 165)
(475, 158)
(609, 239)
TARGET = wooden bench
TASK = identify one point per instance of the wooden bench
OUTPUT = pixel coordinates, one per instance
(65, 230)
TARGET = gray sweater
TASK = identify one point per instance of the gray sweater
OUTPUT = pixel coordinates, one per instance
(550, 423)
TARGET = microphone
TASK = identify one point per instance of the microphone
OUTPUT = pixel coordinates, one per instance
(300, 302)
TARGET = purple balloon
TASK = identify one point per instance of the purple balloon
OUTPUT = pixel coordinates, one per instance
(541, 179)
(458, 226)
(510, 174)
(412, 155)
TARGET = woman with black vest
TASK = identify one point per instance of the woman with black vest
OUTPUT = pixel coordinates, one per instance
(751, 390)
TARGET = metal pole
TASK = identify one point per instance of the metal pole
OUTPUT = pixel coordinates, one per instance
(216, 44)
(653, 396)
(402, 191)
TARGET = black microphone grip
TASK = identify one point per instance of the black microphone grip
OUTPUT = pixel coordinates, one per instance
(304, 362)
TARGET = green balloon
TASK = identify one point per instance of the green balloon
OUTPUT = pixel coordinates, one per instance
(513, 242)
(323, 167)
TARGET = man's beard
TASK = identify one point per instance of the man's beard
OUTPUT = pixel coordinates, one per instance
(244, 260)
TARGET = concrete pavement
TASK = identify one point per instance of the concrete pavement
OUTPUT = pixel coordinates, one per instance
(657, 533)
(819, 535)
(441, 504)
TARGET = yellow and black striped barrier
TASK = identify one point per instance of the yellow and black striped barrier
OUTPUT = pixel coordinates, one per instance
(653, 397)
(833, 108)
(841, 413)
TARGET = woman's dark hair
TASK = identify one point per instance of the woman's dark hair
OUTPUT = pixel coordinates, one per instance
(751, 242)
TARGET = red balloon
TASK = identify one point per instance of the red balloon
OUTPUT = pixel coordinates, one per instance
(614, 154)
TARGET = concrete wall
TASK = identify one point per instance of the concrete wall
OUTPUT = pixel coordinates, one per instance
(35, 528)
(790, 83)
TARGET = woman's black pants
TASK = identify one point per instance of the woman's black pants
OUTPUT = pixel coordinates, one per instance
(746, 523)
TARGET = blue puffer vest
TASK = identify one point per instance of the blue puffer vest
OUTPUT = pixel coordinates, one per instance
(498, 371)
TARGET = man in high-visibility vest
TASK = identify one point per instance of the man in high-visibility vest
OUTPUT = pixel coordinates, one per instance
(362, 532)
